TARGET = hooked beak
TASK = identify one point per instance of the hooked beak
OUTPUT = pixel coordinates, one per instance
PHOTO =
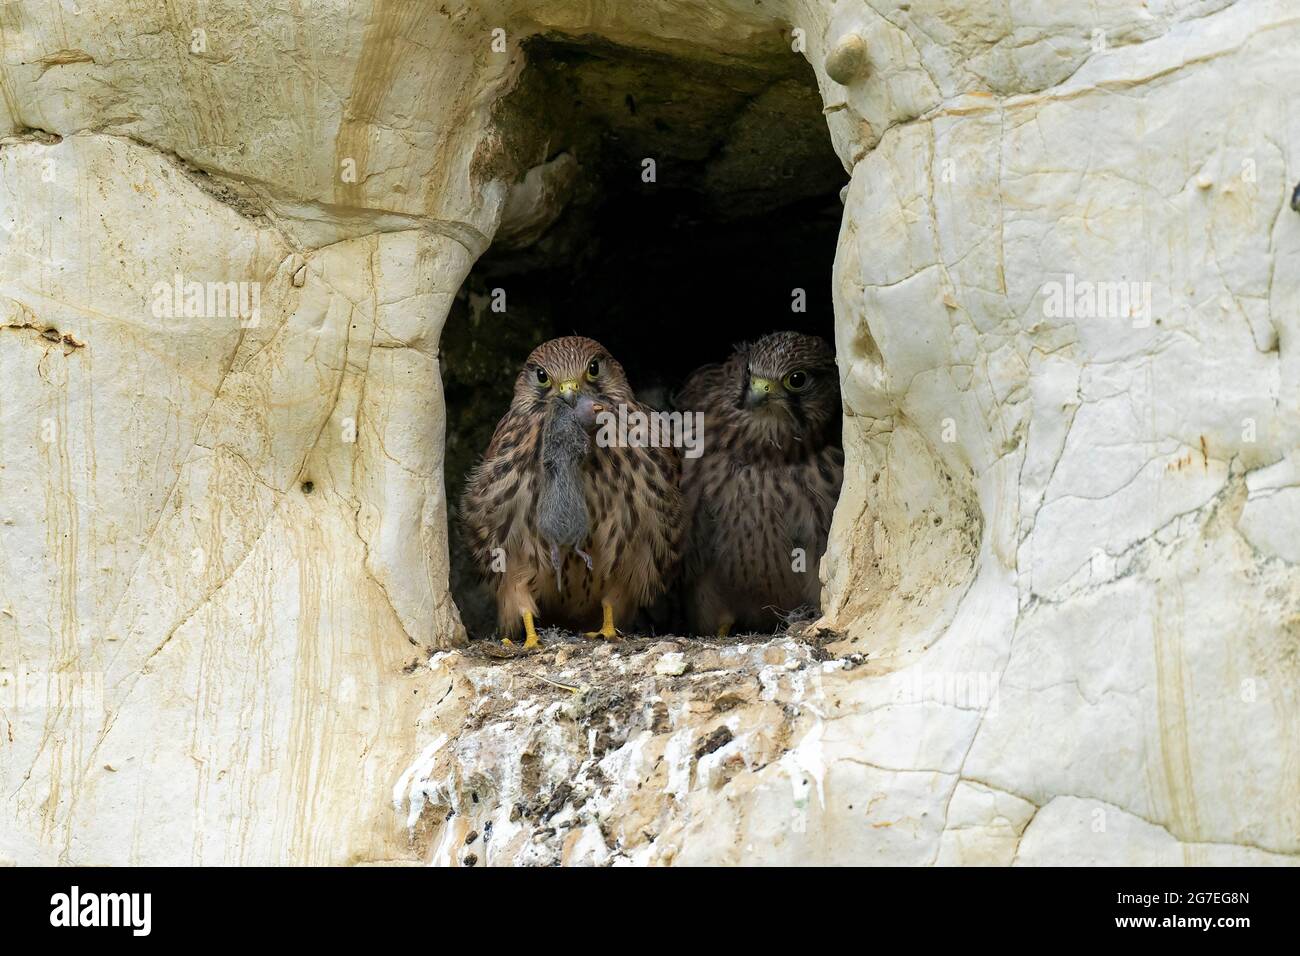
(569, 391)
(760, 390)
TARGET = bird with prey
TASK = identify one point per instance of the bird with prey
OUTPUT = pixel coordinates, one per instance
(569, 531)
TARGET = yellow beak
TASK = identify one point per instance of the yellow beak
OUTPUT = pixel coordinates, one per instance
(759, 391)
(569, 390)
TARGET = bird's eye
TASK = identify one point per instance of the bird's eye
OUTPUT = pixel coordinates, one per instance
(593, 369)
(796, 381)
(542, 377)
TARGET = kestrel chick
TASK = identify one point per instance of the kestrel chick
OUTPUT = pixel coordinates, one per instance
(761, 495)
(520, 504)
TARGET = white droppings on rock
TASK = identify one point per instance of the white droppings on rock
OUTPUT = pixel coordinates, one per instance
(409, 791)
(671, 664)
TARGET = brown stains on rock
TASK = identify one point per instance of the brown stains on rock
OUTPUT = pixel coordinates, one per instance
(64, 58)
(49, 334)
(1172, 716)
(719, 738)
(393, 26)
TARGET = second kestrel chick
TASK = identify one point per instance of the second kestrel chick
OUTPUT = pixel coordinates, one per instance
(762, 494)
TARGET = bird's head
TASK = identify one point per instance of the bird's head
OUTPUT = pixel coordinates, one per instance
(789, 390)
(571, 369)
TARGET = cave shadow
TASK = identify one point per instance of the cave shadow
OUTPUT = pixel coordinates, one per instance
(734, 236)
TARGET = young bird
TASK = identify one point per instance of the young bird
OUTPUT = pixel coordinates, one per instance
(632, 496)
(760, 498)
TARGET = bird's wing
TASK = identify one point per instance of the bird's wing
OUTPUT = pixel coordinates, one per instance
(488, 504)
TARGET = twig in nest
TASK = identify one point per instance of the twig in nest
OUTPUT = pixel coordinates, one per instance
(555, 683)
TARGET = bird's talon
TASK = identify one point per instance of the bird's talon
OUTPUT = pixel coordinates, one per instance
(607, 629)
(530, 632)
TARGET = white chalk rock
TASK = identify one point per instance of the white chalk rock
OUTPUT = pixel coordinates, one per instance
(1067, 306)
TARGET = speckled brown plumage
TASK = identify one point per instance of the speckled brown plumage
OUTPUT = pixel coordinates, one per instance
(632, 494)
(766, 483)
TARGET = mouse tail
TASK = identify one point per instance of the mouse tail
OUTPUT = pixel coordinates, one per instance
(558, 564)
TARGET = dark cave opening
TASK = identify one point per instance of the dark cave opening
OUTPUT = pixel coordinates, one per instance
(734, 237)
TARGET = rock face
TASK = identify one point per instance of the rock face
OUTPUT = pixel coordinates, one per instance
(1061, 600)
(600, 755)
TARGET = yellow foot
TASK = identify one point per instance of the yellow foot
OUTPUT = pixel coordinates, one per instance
(607, 630)
(724, 630)
(530, 634)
